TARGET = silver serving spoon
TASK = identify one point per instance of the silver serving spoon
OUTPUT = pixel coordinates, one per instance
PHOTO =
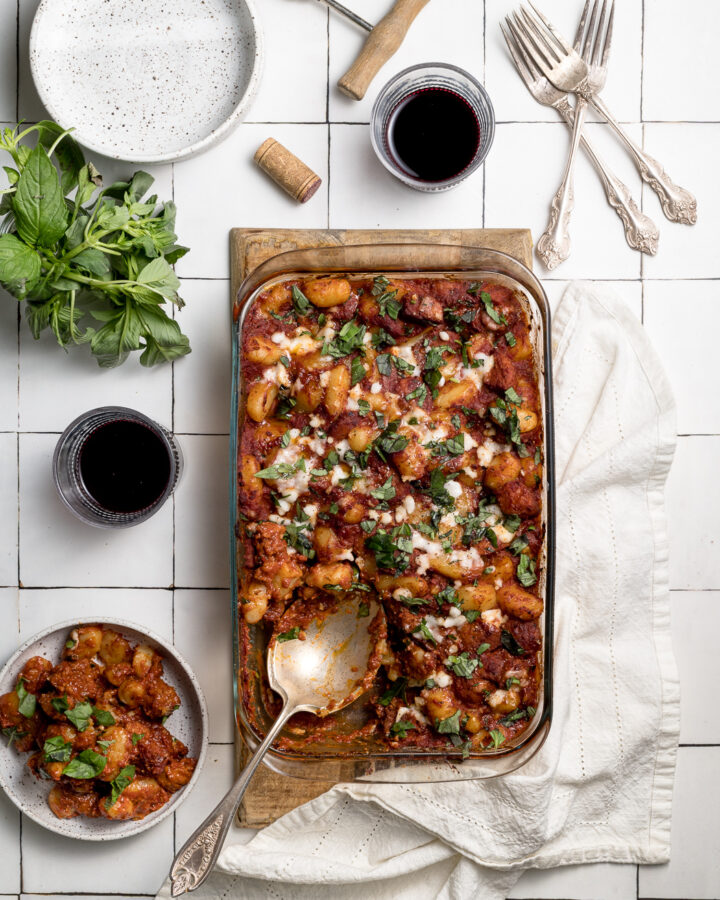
(334, 664)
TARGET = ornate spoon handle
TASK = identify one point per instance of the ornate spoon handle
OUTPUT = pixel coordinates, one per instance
(554, 245)
(194, 862)
(678, 204)
(641, 232)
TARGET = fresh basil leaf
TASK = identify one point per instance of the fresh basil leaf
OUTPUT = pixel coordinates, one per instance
(38, 203)
(483, 648)
(497, 738)
(462, 665)
(423, 629)
(26, 701)
(282, 470)
(385, 492)
(450, 725)
(401, 728)
(471, 614)
(512, 396)
(510, 338)
(363, 610)
(80, 715)
(349, 338)
(124, 777)
(291, 635)
(103, 717)
(301, 304)
(56, 749)
(67, 152)
(136, 738)
(87, 764)
(384, 364)
(19, 263)
(357, 371)
(396, 689)
(60, 704)
(526, 571)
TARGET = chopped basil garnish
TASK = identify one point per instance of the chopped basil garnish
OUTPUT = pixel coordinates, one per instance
(401, 728)
(462, 665)
(451, 725)
(56, 749)
(26, 700)
(526, 571)
(396, 689)
(510, 644)
(87, 764)
(119, 783)
(291, 635)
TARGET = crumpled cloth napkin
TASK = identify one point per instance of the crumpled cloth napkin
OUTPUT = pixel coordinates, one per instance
(600, 790)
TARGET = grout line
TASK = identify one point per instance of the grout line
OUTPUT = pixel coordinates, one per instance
(17, 61)
(642, 59)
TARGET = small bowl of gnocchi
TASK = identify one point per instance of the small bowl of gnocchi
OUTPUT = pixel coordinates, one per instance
(104, 728)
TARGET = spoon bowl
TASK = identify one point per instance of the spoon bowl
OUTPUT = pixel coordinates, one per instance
(318, 661)
(333, 660)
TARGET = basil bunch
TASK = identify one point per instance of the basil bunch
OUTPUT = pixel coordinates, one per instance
(94, 268)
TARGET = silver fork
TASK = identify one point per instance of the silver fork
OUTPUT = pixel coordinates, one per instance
(641, 232)
(568, 71)
(678, 204)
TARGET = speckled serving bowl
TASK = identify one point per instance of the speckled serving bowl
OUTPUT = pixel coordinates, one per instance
(147, 80)
(189, 723)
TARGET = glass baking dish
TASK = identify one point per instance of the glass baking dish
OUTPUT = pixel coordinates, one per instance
(367, 760)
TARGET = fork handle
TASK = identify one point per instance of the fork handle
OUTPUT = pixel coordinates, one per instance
(554, 245)
(641, 232)
(678, 204)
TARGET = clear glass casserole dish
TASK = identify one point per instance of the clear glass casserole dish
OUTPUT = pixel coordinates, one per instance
(334, 759)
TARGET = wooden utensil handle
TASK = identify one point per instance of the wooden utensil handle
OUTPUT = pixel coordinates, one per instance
(382, 43)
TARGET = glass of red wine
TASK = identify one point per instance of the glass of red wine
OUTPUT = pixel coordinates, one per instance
(115, 467)
(432, 126)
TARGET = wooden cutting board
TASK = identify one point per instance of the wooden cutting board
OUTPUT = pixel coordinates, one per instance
(271, 795)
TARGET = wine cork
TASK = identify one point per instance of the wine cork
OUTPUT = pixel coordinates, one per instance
(287, 170)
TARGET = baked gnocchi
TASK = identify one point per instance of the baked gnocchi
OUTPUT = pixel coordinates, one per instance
(393, 446)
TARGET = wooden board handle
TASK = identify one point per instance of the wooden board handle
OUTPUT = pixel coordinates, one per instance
(382, 43)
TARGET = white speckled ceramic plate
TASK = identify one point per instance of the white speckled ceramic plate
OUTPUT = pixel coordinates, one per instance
(189, 723)
(146, 80)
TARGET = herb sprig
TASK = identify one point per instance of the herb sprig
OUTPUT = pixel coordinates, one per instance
(94, 268)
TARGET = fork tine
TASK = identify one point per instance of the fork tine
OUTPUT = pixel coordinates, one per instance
(599, 37)
(527, 40)
(608, 35)
(590, 33)
(519, 63)
(551, 28)
(581, 27)
(529, 63)
(553, 54)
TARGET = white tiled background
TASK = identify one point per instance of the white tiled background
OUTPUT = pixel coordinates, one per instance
(173, 571)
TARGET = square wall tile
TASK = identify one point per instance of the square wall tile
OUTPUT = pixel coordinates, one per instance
(510, 97)
(74, 869)
(8, 361)
(365, 195)
(695, 621)
(29, 104)
(293, 86)
(202, 379)
(9, 622)
(8, 61)
(209, 651)
(597, 881)
(666, 302)
(8, 508)
(201, 514)
(688, 153)
(629, 291)
(77, 897)
(215, 780)
(56, 387)
(520, 183)
(686, 89)
(694, 867)
(58, 549)
(223, 188)
(462, 47)
(39, 609)
(10, 843)
(692, 492)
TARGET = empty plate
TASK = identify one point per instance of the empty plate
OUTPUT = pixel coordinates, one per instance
(146, 80)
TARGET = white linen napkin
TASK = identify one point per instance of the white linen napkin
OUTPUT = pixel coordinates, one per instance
(600, 790)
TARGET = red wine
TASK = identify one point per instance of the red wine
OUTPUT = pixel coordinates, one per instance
(124, 466)
(433, 134)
